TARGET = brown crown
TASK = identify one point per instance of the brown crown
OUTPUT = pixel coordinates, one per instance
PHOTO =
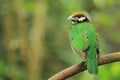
(78, 14)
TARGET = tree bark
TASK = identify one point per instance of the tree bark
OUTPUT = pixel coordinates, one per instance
(74, 69)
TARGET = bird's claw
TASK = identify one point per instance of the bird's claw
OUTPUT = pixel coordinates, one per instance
(83, 62)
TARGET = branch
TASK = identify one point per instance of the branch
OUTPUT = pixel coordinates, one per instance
(74, 69)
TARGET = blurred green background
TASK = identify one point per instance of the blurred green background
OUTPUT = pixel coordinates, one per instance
(34, 43)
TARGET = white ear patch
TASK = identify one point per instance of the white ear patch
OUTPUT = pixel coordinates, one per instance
(81, 19)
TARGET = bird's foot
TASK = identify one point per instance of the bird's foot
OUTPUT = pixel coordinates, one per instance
(99, 59)
(83, 62)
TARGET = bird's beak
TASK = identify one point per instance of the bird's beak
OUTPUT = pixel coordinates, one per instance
(70, 17)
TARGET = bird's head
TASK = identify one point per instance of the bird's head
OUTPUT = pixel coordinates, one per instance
(78, 17)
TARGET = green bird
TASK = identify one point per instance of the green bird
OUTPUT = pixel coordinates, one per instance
(84, 40)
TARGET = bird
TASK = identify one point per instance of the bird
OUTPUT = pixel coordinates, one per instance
(84, 40)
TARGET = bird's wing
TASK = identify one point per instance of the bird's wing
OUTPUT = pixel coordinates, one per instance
(80, 42)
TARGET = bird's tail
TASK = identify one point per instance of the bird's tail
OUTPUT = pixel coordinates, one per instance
(92, 63)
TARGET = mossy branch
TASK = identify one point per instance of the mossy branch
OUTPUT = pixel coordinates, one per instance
(74, 69)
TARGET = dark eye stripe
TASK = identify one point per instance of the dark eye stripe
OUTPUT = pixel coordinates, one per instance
(79, 16)
(73, 20)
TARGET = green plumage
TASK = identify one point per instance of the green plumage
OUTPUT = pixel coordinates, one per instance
(83, 39)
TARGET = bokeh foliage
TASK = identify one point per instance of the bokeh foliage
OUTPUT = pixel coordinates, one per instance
(34, 43)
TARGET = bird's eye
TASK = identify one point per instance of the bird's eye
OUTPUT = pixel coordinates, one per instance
(79, 16)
